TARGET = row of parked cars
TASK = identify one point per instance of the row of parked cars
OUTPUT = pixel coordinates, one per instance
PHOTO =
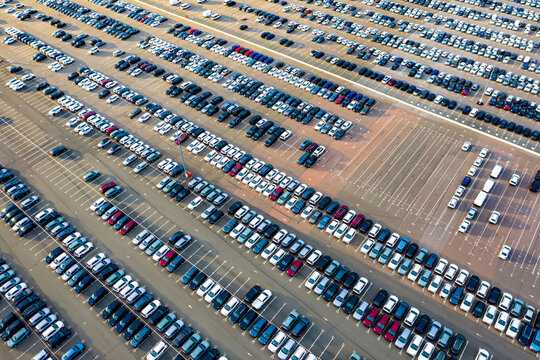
(12, 214)
(468, 291)
(32, 310)
(41, 46)
(449, 84)
(99, 21)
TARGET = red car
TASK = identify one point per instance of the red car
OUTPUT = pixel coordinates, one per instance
(117, 215)
(381, 324)
(339, 99)
(107, 186)
(295, 267)
(357, 221)
(182, 138)
(167, 258)
(128, 227)
(111, 129)
(235, 169)
(392, 82)
(276, 194)
(368, 321)
(340, 213)
(392, 331)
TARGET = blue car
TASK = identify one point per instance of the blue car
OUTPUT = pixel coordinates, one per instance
(74, 352)
(267, 334)
(258, 327)
(140, 337)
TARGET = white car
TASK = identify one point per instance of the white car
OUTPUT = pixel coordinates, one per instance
(312, 280)
(464, 226)
(483, 289)
(262, 299)
(427, 351)
(390, 304)
(462, 277)
(374, 230)
(349, 236)
(277, 257)
(459, 191)
(467, 302)
(445, 291)
(150, 308)
(414, 346)
(494, 218)
(453, 203)
(269, 251)
(466, 146)
(368, 244)
(395, 261)
(484, 152)
(472, 171)
(478, 162)
(213, 293)
(157, 351)
(483, 354)
(411, 317)
(502, 321)
(490, 315)
(506, 301)
(195, 203)
(230, 306)
(441, 266)
(361, 285)
(415, 272)
(505, 252)
(514, 180)
(435, 284)
(277, 341)
(513, 328)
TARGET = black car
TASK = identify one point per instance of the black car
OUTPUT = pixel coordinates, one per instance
(323, 263)
(25, 303)
(349, 306)
(183, 336)
(124, 322)
(58, 338)
(197, 281)
(479, 308)
(7, 320)
(97, 296)
(59, 150)
(285, 262)
(494, 295)
(252, 293)
(526, 335)
(380, 298)
(112, 307)
(158, 314)
(473, 282)
(234, 207)
(422, 324)
(331, 292)
(458, 345)
(32, 309)
(221, 299)
(350, 280)
(117, 315)
(133, 329)
(12, 329)
(247, 320)
(238, 313)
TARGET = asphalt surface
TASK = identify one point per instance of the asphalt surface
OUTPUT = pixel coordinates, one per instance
(26, 130)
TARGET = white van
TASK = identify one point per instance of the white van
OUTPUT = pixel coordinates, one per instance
(488, 186)
(496, 172)
(480, 199)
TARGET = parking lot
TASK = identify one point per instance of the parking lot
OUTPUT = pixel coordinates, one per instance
(404, 169)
